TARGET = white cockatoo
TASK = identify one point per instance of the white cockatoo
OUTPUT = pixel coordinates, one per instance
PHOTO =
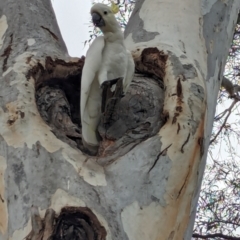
(107, 58)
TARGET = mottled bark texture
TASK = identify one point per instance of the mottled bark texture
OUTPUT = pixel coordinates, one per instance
(144, 183)
(196, 36)
(40, 161)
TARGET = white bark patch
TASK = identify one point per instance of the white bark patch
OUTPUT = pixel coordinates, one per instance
(168, 18)
(7, 71)
(22, 233)
(31, 41)
(142, 223)
(3, 201)
(91, 172)
(3, 29)
(22, 124)
(62, 199)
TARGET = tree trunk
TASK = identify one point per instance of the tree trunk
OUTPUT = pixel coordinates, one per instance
(144, 182)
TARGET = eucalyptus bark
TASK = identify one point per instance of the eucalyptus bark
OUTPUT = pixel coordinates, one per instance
(144, 182)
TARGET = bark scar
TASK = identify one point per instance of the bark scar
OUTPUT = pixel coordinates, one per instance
(179, 128)
(2, 200)
(162, 153)
(179, 88)
(179, 193)
(186, 141)
(53, 34)
(6, 53)
(176, 115)
(201, 144)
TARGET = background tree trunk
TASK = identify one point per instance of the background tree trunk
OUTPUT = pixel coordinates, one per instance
(145, 181)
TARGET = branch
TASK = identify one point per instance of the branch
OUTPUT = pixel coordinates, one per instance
(229, 110)
(220, 221)
(215, 235)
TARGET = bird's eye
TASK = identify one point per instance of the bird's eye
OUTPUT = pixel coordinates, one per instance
(105, 12)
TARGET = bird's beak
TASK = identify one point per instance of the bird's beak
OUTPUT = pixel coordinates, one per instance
(97, 20)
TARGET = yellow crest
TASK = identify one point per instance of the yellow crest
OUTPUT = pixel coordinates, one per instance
(114, 8)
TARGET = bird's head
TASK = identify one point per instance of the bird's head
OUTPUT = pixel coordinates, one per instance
(103, 17)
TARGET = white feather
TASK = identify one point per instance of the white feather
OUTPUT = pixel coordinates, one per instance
(90, 91)
(106, 59)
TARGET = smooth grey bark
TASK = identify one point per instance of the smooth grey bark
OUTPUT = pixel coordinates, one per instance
(123, 192)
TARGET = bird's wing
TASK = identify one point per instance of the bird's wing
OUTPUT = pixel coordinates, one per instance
(91, 66)
(91, 117)
(90, 91)
(130, 72)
